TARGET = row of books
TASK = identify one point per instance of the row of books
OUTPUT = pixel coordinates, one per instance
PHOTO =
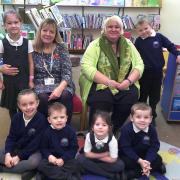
(34, 2)
(76, 41)
(91, 21)
(37, 16)
(118, 3)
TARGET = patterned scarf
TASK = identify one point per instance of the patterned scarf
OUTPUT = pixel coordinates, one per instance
(108, 62)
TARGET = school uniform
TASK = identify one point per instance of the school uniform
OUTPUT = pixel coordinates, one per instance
(62, 144)
(15, 53)
(98, 167)
(151, 51)
(23, 140)
(135, 144)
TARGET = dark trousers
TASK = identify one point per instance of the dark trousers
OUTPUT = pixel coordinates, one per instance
(119, 104)
(66, 99)
(55, 172)
(99, 167)
(131, 164)
(150, 87)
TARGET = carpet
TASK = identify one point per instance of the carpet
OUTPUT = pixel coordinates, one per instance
(169, 153)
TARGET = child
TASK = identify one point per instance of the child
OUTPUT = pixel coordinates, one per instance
(25, 133)
(17, 54)
(101, 149)
(59, 146)
(150, 46)
(139, 144)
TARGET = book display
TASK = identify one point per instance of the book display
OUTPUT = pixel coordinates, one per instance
(170, 101)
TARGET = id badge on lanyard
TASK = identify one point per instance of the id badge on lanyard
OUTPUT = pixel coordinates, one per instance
(49, 81)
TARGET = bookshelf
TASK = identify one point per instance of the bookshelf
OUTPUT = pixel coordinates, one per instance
(76, 13)
(170, 100)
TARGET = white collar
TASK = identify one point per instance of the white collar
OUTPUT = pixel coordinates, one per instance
(136, 129)
(153, 34)
(26, 121)
(19, 42)
(101, 140)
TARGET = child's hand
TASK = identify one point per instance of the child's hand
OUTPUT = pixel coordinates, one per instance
(31, 84)
(178, 59)
(60, 162)
(8, 160)
(143, 163)
(52, 159)
(16, 160)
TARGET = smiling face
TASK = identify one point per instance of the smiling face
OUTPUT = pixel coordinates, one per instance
(100, 128)
(48, 34)
(113, 31)
(141, 119)
(12, 25)
(144, 30)
(28, 104)
(58, 118)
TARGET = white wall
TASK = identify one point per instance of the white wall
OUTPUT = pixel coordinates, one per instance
(170, 20)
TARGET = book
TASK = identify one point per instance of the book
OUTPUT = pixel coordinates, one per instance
(56, 13)
(36, 16)
(32, 19)
(43, 13)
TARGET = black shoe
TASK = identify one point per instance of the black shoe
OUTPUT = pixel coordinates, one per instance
(28, 175)
(162, 169)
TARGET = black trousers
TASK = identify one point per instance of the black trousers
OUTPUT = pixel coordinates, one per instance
(64, 172)
(150, 87)
(66, 99)
(131, 164)
(119, 104)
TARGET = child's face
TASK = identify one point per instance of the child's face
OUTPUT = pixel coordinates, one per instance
(58, 119)
(28, 105)
(48, 34)
(12, 25)
(144, 30)
(141, 119)
(100, 128)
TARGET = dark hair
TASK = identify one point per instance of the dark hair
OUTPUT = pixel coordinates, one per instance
(106, 117)
(140, 106)
(7, 13)
(56, 107)
(25, 92)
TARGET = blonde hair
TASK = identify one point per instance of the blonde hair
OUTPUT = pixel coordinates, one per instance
(111, 19)
(142, 21)
(140, 106)
(38, 44)
(56, 107)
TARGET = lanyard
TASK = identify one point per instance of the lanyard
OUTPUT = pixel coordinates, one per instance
(46, 66)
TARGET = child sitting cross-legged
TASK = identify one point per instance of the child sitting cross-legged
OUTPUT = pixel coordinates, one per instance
(139, 144)
(59, 147)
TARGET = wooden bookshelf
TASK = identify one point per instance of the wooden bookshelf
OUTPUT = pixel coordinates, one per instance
(76, 51)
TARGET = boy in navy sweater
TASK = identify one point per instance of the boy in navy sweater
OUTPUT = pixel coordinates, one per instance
(139, 144)
(59, 146)
(150, 46)
(22, 143)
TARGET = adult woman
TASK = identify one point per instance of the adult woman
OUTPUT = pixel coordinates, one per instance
(111, 67)
(53, 73)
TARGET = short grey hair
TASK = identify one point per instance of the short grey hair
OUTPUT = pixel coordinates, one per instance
(108, 20)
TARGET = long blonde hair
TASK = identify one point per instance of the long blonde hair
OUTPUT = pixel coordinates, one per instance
(38, 44)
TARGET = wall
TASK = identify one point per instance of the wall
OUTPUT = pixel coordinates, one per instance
(170, 16)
